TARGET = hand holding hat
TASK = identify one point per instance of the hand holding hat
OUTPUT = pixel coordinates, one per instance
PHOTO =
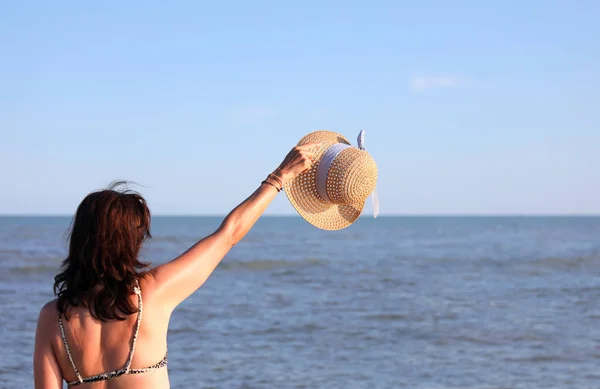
(298, 160)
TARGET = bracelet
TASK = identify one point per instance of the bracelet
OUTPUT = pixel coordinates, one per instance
(273, 185)
(274, 177)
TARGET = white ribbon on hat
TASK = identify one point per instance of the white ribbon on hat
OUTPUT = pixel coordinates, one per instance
(327, 159)
(324, 165)
(374, 197)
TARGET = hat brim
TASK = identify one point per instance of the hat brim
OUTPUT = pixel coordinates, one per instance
(304, 197)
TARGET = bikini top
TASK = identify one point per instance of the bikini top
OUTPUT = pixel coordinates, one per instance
(115, 373)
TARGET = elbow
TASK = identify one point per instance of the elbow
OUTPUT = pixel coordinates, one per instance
(229, 232)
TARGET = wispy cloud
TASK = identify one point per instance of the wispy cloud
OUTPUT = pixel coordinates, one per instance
(421, 83)
(249, 114)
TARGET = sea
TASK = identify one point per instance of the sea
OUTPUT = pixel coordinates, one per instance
(392, 302)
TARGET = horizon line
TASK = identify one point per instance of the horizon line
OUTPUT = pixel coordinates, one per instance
(290, 215)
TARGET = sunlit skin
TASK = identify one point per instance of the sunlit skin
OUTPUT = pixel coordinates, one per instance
(101, 346)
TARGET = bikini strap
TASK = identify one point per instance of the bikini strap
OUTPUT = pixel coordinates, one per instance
(64, 338)
(137, 291)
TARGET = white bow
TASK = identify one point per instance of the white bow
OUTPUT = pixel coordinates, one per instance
(374, 197)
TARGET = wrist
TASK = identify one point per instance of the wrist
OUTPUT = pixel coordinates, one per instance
(282, 175)
(272, 183)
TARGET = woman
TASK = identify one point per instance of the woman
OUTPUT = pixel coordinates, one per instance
(108, 326)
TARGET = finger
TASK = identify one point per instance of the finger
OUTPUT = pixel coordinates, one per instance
(310, 159)
(307, 152)
(303, 156)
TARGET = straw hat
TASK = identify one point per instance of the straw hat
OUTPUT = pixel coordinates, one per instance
(331, 195)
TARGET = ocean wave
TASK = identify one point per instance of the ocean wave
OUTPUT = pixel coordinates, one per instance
(169, 239)
(590, 260)
(39, 269)
(285, 329)
(387, 317)
(567, 263)
(544, 358)
(13, 255)
(477, 340)
(183, 330)
(11, 252)
(269, 264)
(467, 387)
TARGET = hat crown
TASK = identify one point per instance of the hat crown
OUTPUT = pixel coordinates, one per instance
(351, 177)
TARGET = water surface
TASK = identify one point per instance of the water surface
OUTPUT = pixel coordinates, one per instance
(387, 303)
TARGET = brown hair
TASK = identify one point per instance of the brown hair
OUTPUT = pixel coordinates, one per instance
(102, 265)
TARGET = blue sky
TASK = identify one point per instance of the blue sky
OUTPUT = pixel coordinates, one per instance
(469, 107)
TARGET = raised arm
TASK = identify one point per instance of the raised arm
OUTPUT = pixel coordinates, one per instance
(178, 279)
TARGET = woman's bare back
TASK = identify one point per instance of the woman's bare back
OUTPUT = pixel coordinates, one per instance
(98, 347)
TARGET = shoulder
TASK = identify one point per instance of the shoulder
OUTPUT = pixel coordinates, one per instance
(48, 312)
(148, 283)
(150, 288)
(47, 322)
